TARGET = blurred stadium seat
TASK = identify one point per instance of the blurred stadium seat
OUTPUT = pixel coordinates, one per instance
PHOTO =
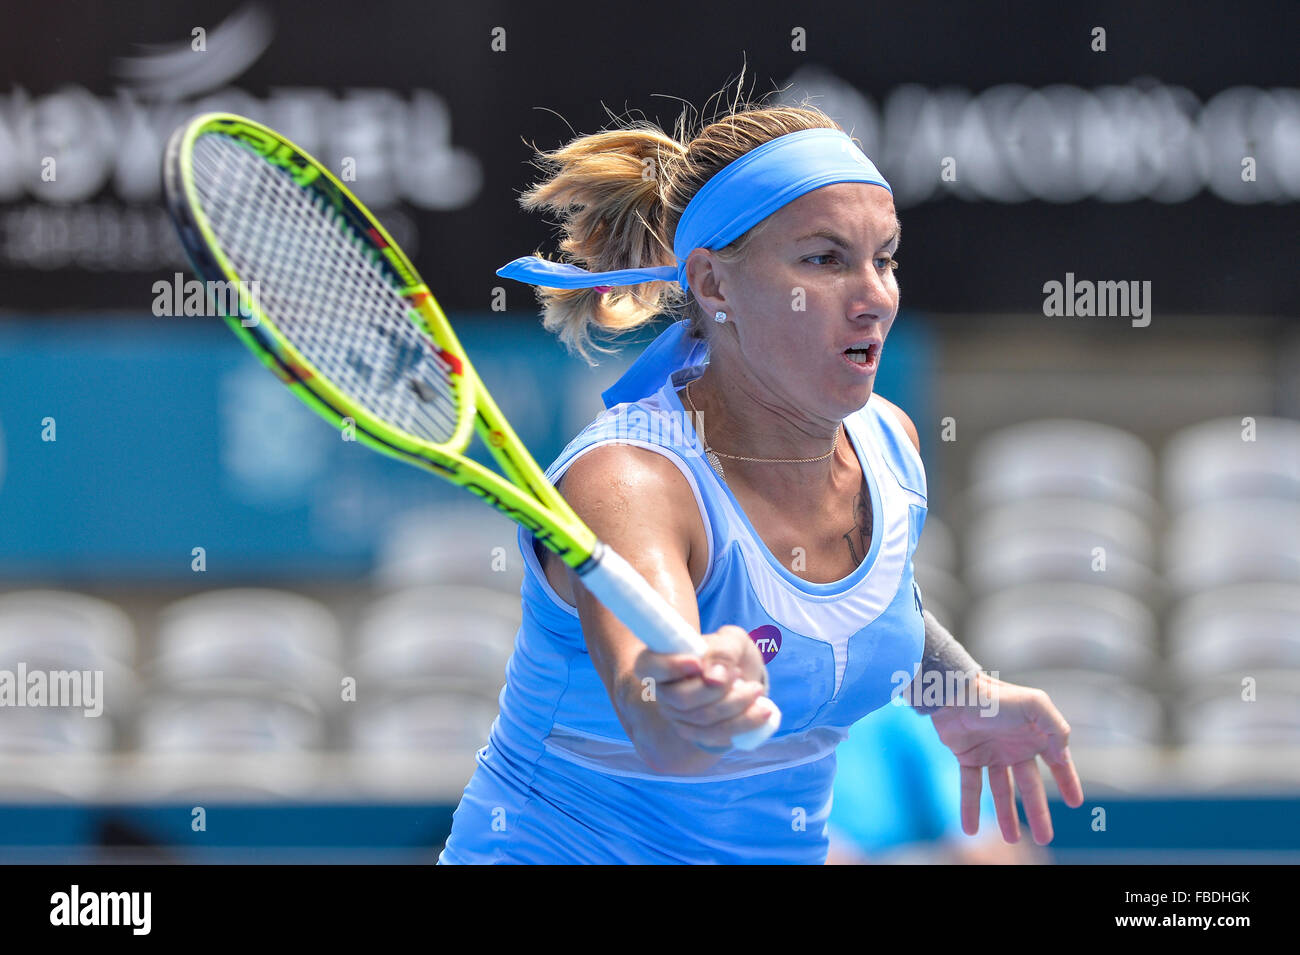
(430, 663)
(230, 721)
(226, 741)
(1237, 629)
(450, 544)
(421, 723)
(1063, 457)
(248, 642)
(80, 631)
(56, 753)
(1261, 708)
(1045, 539)
(1217, 769)
(1232, 541)
(419, 744)
(52, 730)
(202, 778)
(1054, 625)
(454, 638)
(1211, 461)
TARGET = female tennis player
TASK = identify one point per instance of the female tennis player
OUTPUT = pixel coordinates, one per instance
(745, 468)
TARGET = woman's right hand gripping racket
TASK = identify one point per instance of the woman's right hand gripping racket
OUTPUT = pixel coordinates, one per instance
(337, 311)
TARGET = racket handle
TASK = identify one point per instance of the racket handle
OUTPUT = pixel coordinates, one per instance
(641, 608)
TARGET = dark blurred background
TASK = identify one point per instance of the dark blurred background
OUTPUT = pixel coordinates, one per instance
(1113, 500)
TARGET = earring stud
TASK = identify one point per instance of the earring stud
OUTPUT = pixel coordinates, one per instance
(719, 316)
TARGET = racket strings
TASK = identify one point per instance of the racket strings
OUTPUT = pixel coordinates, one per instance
(325, 288)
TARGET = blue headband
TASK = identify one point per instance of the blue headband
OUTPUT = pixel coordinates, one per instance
(738, 197)
(734, 200)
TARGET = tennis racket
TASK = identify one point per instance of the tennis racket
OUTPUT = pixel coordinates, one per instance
(337, 311)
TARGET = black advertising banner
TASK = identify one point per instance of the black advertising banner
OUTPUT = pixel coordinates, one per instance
(1129, 141)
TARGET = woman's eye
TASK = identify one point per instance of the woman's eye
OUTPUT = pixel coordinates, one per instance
(882, 261)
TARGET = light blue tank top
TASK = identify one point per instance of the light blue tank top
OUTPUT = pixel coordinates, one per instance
(559, 780)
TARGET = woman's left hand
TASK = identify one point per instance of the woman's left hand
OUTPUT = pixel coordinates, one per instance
(1005, 729)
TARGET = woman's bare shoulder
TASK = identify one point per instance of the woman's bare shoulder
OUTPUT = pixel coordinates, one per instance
(619, 476)
(639, 503)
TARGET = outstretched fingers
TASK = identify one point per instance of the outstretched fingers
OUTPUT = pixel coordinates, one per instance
(971, 790)
(1004, 800)
(1032, 794)
(1057, 754)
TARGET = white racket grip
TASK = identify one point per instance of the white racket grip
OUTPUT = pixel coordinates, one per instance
(617, 585)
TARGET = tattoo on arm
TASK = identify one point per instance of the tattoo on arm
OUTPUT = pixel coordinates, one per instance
(860, 532)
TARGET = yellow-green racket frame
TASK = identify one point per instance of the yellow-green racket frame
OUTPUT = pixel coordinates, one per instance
(524, 495)
(527, 497)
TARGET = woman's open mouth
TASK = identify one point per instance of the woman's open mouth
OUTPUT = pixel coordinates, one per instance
(864, 358)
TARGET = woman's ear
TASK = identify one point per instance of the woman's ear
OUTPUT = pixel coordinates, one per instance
(702, 274)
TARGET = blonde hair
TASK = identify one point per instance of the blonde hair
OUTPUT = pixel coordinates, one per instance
(619, 195)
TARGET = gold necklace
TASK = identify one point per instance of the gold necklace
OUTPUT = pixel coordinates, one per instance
(712, 456)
